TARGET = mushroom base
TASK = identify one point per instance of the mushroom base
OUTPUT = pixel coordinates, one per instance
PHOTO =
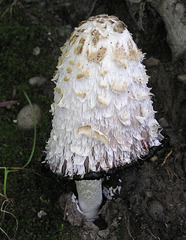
(89, 197)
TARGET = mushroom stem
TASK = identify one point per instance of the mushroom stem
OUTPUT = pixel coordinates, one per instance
(89, 197)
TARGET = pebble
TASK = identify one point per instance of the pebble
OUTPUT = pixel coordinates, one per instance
(156, 211)
(41, 214)
(163, 122)
(25, 117)
(154, 158)
(38, 81)
(151, 62)
(149, 194)
(36, 51)
(182, 78)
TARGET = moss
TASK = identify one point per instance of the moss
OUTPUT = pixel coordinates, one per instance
(33, 189)
(18, 38)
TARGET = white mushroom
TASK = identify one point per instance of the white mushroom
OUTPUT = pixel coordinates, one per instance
(102, 112)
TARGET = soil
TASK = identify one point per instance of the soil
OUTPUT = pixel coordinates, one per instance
(150, 202)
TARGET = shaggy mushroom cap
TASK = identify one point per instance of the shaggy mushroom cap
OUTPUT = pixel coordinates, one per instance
(102, 112)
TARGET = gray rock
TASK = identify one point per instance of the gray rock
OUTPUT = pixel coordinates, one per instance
(41, 213)
(38, 81)
(25, 118)
(163, 122)
(182, 78)
(36, 51)
(152, 62)
(149, 194)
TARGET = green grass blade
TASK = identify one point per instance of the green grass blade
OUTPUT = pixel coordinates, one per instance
(34, 140)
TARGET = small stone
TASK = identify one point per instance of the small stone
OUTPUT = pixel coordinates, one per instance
(182, 78)
(36, 51)
(154, 158)
(152, 62)
(37, 81)
(149, 193)
(25, 117)
(41, 214)
(104, 233)
(156, 211)
(163, 122)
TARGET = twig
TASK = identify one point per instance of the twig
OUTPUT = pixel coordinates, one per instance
(165, 159)
(153, 234)
(5, 233)
(4, 211)
(145, 227)
(170, 172)
(21, 168)
(11, 7)
(8, 103)
(128, 226)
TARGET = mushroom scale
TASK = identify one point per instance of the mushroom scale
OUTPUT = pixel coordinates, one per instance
(103, 116)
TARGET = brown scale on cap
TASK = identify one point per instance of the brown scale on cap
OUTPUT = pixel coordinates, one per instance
(60, 60)
(71, 62)
(66, 79)
(96, 56)
(120, 55)
(96, 36)
(84, 71)
(58, 90)
(78, 50)
(73, 38)
(103, 73)
(81, 94)
(119, 27)
(89, 132)
(119, 86)
(69, 70)
(103, 100)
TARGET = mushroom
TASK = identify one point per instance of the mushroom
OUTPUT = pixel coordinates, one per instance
(103, 116)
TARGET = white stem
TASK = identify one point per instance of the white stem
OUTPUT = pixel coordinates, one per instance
(89, 197)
